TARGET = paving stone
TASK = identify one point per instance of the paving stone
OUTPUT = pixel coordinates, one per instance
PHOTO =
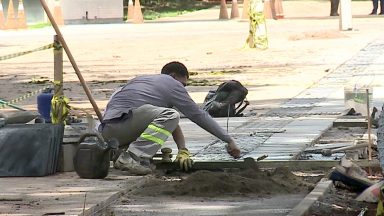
(284, 131)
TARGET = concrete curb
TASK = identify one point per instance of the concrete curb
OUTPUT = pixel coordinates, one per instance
(100, 207)
(303, 207)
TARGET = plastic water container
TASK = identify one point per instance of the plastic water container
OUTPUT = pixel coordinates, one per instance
(44, 104)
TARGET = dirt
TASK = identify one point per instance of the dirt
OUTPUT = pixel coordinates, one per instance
(336, 135)
(327, 34)
(341, 202)
(113, 54)
(220, 184)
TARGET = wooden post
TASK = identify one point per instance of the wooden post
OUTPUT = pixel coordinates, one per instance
(369, 134)
(71, 59)
(58, 66)
(369, 128)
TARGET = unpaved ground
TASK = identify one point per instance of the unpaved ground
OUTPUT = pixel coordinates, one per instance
(230, 192)
(304, 47)
(341, 202)
(336, 135)
(214, 184)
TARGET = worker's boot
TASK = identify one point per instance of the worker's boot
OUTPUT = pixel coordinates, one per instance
(126, 162)
(334, 7)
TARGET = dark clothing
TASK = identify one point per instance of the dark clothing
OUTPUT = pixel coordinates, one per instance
(334, 7)
(376, 6)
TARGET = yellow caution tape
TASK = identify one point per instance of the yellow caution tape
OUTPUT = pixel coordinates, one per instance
(14, 55)
(59, 105)
(59, 109)
(257, 30)
(23, 97)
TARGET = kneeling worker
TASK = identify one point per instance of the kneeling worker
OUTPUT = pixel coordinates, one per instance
(140, 116)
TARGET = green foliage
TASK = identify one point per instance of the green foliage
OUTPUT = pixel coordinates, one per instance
(39, 25)
(154, 9)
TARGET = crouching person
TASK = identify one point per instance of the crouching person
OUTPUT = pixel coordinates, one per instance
(141, 117)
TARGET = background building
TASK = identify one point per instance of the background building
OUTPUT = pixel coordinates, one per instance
(73, 11)
(95, 11)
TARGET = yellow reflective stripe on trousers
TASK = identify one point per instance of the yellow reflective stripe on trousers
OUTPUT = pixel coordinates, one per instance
(159, 130)
(152, 138)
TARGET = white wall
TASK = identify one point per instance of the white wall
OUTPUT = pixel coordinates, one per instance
(97, 9)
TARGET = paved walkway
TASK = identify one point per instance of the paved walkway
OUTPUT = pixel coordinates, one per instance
(281, 133)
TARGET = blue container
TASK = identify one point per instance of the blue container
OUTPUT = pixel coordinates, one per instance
(44, 104)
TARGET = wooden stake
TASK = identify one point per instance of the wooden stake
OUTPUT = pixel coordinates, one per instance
(71, 59)
(57, 66)
(369, 128)
(369, 134)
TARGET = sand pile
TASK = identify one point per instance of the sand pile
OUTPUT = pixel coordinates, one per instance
(213, 184)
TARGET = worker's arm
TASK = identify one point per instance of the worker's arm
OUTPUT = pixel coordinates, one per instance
(183, 102)
(232, 149)
(178, 137)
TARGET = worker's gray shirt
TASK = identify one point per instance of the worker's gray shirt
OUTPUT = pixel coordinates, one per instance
(163, 91)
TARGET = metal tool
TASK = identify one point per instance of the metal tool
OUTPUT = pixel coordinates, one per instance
(329, 152)
(166, 155)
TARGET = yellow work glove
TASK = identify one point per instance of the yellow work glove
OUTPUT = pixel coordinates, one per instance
(184, 160)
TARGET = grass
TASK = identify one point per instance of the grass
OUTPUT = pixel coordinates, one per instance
(39, 25)
(154, 9)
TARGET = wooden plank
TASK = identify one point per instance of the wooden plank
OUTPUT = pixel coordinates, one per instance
(350, 122)
(317, 149)
(250, 163)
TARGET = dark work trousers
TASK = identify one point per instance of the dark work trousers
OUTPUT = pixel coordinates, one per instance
(376, 6)
(334, 7)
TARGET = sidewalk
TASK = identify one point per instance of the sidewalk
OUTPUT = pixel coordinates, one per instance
(302, 107)
(281, 134)
(63, 193)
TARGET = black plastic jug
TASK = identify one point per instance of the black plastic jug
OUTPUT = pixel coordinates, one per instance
(91, 160)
